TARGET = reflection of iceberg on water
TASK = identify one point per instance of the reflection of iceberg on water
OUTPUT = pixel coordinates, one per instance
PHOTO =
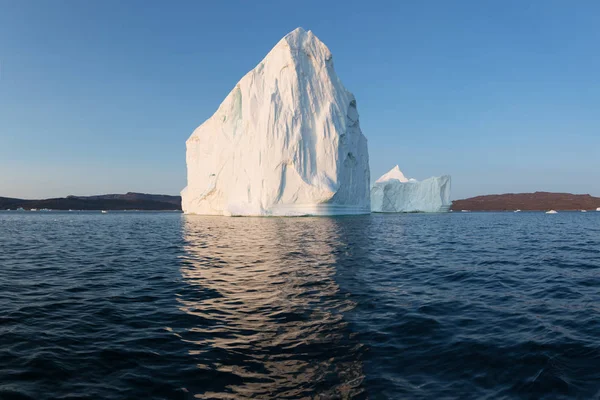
(268, 308)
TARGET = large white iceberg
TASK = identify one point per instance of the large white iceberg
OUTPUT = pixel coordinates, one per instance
(285, 141)
(393, 192)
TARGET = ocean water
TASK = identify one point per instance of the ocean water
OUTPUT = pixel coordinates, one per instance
(167, 306)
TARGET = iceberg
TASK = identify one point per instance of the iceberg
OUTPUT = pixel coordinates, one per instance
(393, 193)
(285, 141)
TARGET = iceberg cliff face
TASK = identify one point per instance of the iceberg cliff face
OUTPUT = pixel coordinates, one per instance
(285, 141)
(393, 192)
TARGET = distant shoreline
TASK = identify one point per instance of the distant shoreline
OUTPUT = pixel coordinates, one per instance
(109, 202)
(538, 201)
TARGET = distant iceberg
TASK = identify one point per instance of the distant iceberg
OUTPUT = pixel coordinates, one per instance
(285, 141)
(393, 193)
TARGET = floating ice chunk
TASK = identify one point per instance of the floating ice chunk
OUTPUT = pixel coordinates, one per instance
(285, 141)
(393, 192)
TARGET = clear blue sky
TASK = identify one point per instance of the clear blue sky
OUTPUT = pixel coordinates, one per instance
(100, 96)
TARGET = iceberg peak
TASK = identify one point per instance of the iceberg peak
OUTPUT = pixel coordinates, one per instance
(299, 47)
(299, 38)
(393, 173)
(299, 31)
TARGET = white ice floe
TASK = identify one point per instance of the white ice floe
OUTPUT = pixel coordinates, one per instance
(285, 141)
(393, 192)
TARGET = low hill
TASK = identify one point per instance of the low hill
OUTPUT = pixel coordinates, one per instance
(538, 201)
(132, 196)
(128, 201)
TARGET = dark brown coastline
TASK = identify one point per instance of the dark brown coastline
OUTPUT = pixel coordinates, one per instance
(127, 201)
(538, 201)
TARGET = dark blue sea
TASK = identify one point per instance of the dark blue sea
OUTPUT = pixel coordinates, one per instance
(134, 305)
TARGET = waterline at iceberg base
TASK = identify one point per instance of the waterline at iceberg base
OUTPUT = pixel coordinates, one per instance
(285, 142)
(394, 193)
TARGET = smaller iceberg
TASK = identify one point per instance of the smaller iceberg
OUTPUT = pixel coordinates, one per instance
(598, 209)
(552, 212)
(393, 193)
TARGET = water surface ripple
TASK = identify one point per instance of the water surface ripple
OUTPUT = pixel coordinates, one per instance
(166, 306)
